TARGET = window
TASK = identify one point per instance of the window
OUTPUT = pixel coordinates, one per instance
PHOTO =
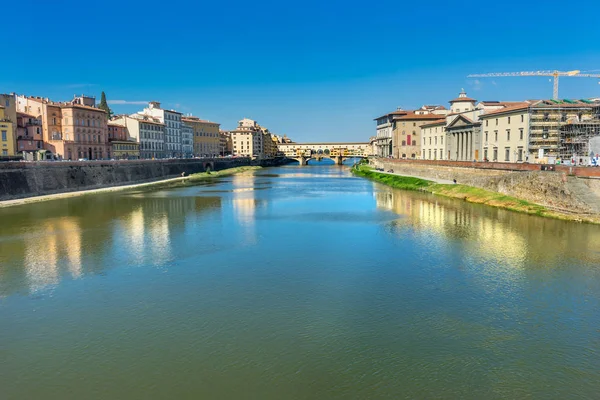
(507, 154)
(485, 154)
(436, 140)
(486, 136)
(546, 116)
(496, 136)
(520, 154)
(545, 133)
(429, 141)
(441, 140)
(509, 120)
(404, 143)
(521, 134)
(430, 154)
(522, 118)
(495, 154)
(508, 135)
(486, 122)
(4, 139)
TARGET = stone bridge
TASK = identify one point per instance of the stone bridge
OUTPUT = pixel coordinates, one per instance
(338, 152)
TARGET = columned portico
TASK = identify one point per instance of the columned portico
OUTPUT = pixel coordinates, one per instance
(462, 144)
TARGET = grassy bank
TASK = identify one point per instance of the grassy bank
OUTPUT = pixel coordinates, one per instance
(468, 193)
(220, 174)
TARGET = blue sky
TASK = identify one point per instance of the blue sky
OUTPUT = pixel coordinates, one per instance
(315, 70)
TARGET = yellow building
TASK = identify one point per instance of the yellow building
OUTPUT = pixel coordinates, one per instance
(125, 150)
(7, 137)
(207, 142)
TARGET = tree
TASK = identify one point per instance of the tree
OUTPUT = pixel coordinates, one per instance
(104, 106)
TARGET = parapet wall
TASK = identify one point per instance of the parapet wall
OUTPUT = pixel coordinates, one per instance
(21, 179)
(567, 188)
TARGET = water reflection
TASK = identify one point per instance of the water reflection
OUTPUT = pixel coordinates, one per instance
(37, 251)
(489, 233)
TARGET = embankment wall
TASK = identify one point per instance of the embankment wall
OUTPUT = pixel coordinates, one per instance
(21, 180)
(567, 188)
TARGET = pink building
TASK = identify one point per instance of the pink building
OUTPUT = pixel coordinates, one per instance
(29, 133)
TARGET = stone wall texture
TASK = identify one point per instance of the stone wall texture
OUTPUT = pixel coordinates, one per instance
(571, 189)
(20, 180)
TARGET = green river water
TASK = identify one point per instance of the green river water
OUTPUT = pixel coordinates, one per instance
(294, 283)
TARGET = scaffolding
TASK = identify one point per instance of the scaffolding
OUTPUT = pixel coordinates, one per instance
(563, 130)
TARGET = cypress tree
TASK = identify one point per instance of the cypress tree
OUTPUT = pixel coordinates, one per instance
(104, 106)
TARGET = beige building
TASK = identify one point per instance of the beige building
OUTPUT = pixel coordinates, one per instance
(505, 136)
(433, 136)
(407, 133)
(247, 139)
(207, 142)
(147, 131)
(225, 144)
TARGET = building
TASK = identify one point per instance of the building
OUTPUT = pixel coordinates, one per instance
(7, 137)
(9, 121)
(385, 129)
(125, 149)
(505, 134)
(172, 128)
(225, 143)
(247, 139)
(187, 140)
(562, 130)
(433, 136)
(407, 133)
(84, 130)
(30, 139)
(147, 131)
(463, 133)
(205, 136)
(117, 131)
(70, 130)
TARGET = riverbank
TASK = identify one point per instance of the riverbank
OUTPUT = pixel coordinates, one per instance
(165, 182)
(471, 194)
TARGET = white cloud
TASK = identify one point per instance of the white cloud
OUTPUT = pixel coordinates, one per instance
(125, 102)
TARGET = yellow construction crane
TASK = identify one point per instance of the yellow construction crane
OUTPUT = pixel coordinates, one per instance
(555, 74)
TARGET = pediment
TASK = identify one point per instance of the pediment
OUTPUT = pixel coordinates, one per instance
(459, 122)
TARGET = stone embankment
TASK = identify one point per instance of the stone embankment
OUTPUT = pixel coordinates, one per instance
(21, 180)
(568, 189)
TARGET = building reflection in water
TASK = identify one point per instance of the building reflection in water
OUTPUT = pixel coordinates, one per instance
(244, 205)
(88, 234)
(489, 234)
(58, 248)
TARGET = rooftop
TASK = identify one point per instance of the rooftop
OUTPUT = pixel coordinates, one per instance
(419, 117)
(435, 123)
(508, 109)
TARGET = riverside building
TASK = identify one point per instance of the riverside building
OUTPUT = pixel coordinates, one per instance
(171, 120)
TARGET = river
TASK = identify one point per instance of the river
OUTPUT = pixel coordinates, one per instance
(294, 283)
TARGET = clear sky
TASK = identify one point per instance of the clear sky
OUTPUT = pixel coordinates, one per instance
(315, 70)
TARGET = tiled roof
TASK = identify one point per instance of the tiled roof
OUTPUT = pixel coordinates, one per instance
(462, 99)
(512, 108)
(397, 112)
(418, 117)
(435, 123)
